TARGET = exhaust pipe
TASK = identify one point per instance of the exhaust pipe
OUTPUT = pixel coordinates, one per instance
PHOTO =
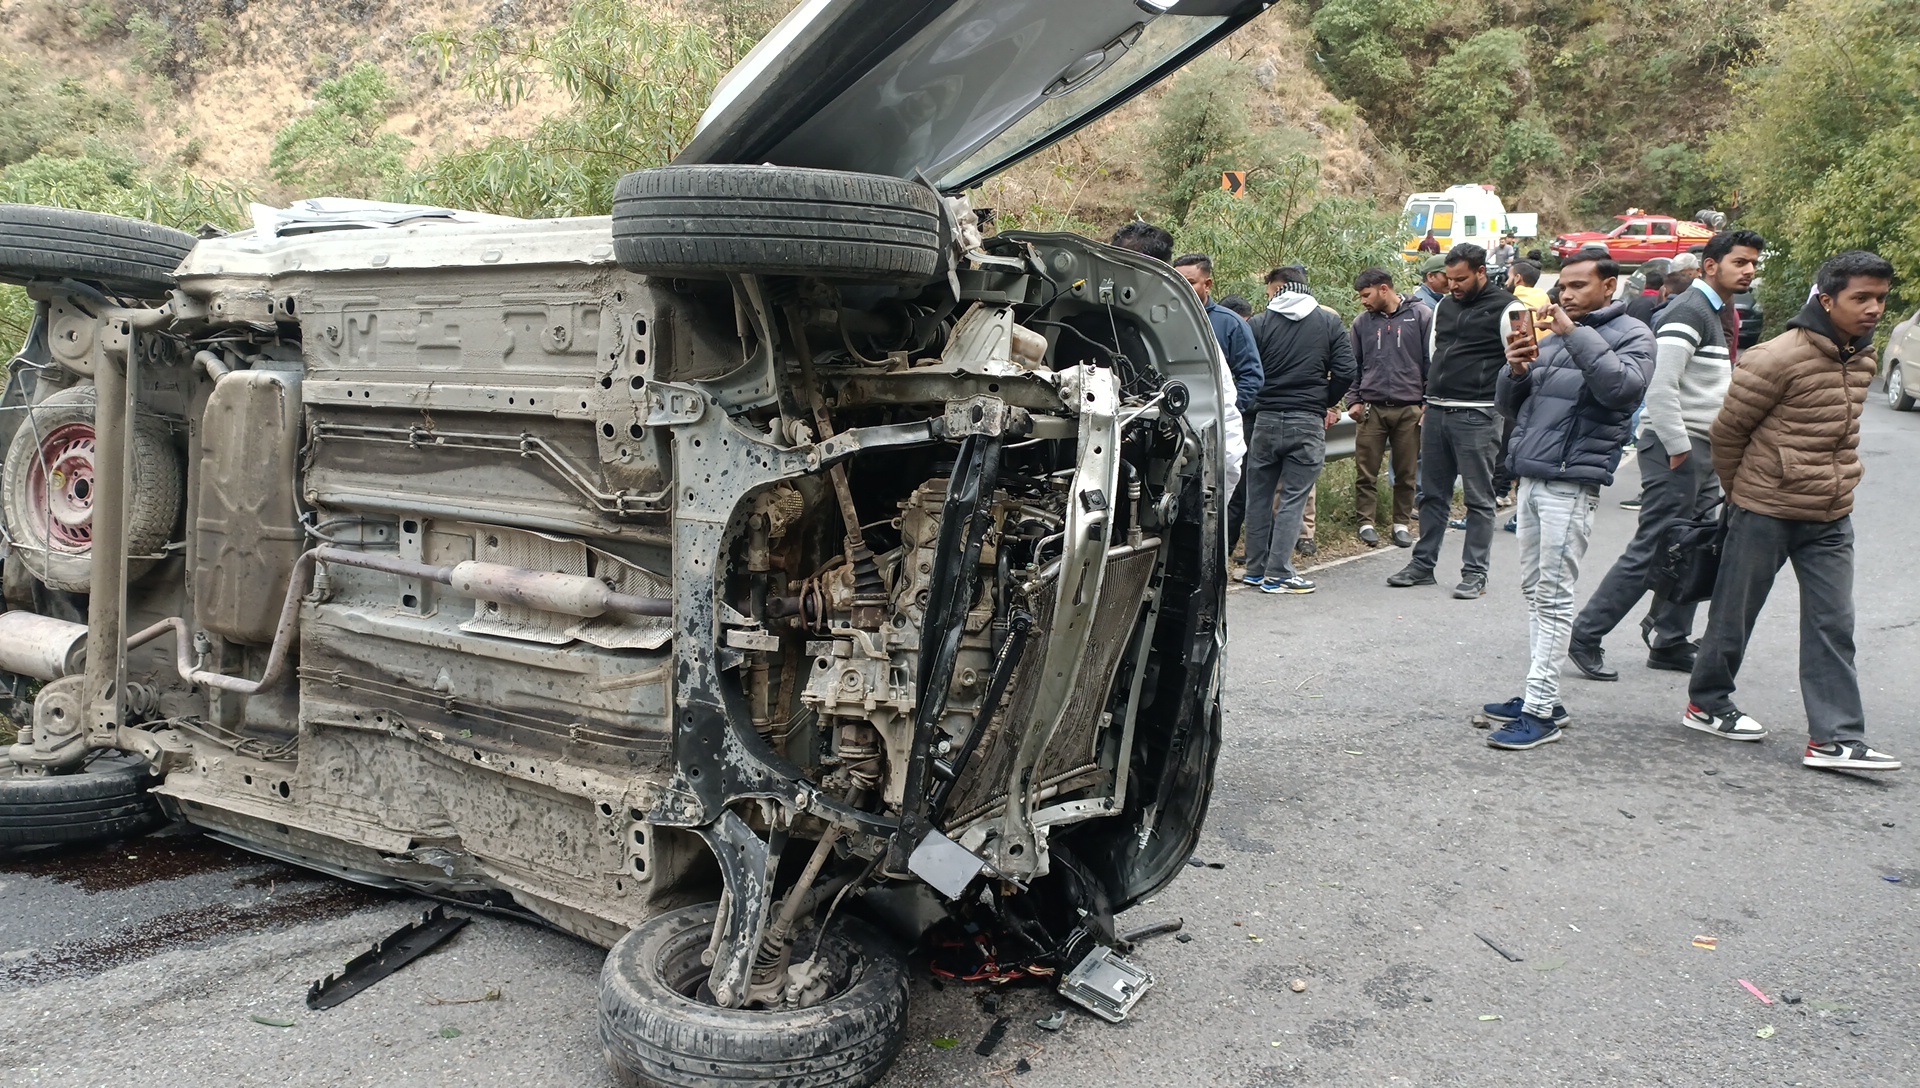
(41, 647)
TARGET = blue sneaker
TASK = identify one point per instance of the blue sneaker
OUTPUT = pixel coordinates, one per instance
(1253, 579)
(1295, 584)
(1513, 524)
(1457, 523)
(1510, 711)
(1523, 733)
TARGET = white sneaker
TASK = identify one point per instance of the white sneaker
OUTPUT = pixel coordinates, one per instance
(1852, 755)
(1733, 725)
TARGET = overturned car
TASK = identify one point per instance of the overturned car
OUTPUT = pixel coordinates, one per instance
(725, 582)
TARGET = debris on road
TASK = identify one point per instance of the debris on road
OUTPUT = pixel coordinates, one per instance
(1023, 1067)
(1157, 929)
(945, 1042)
(1183, 938)
(1755, 991)
(1052, 1023)
(1490, 1016)
(1765, 1032)
(1891, 878)
(995, 1035)
(1197, 863)
(1709, 943)
(1298, 985)
(495, 994)
(1511, 958)
(271, 1021)
(1627, 814)
(451, 1032)
(403, 946)
(1790, 997)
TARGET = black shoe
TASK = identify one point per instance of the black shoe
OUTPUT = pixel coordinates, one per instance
(1472, 587)
(1369, 536)
(1402, 538)
(1410, 575)
(1306, 546)
(1675, 658)
(1630, 504)
(1591, 660)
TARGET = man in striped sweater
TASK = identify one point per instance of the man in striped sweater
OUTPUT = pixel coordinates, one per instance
(1696, 338)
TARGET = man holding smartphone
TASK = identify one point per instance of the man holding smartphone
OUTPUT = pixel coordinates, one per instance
(1570, 399)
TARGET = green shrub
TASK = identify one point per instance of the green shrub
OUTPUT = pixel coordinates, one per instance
(338, 148)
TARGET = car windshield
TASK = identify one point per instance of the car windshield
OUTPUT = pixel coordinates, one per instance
(1162, 40)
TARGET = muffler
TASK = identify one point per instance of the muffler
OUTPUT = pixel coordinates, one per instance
(40, 646)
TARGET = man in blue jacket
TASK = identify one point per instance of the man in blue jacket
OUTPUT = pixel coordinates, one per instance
(1570, 399)
(1243, 362)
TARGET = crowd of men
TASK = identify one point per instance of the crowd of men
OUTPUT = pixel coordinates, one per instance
(1531, 398)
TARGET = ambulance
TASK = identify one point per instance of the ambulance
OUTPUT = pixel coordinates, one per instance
(1464, 213)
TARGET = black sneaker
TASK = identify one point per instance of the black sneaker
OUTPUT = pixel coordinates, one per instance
(1527, 732)
(1851, 755)
(1510, 711)
(1410, 575)
(1369, 536)
(1591, 660)
(1630, 504)
(1306, 546)
(1472, 587)
(1678, 657)
(1732, 725)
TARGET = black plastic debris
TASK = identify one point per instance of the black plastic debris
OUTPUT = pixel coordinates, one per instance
(990, 1042)
(1156, 929)
(403, 946)
(1511, 958)
(1200, 864)
(1023, 1067)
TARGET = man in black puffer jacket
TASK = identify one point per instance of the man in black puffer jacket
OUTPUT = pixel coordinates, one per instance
(1571, 399)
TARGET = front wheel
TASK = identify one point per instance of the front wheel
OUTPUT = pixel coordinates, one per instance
(1899, 396)
(659, 1032)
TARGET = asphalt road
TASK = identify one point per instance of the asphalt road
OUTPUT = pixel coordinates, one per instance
(1368, 839)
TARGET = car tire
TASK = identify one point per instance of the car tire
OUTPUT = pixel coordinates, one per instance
(712, 221)
(123, 256)
(658, 1033)
(1899, 394)
(105, 799)
(58, 550)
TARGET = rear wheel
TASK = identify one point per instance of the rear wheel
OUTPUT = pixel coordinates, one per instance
(1899, 397)
(123, 256)
(711, 221)
(659, 1032)
(106, 798)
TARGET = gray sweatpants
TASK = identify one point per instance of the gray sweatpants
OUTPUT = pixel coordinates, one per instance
(1287, 452)
(1556, 521)
(1667, 495)
(1757, 547)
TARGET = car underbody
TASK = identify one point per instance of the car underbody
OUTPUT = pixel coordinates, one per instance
(495, 570)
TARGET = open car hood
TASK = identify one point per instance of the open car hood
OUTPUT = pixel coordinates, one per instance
(951, 90)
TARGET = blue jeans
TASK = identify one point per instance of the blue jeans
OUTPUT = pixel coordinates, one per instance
(1556, 521)
(1286, 453)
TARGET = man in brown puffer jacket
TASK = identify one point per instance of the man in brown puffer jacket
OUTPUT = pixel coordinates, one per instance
(1784, 446)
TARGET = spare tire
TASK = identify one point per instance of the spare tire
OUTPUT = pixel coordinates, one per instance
(124, 256)
(659, 1032)
(106, 798)
(711, 221)
(47, 491)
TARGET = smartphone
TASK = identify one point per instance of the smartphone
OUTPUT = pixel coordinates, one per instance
(1523, 323)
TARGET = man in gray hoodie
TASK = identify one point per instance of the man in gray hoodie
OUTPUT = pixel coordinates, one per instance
(1697, 335)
